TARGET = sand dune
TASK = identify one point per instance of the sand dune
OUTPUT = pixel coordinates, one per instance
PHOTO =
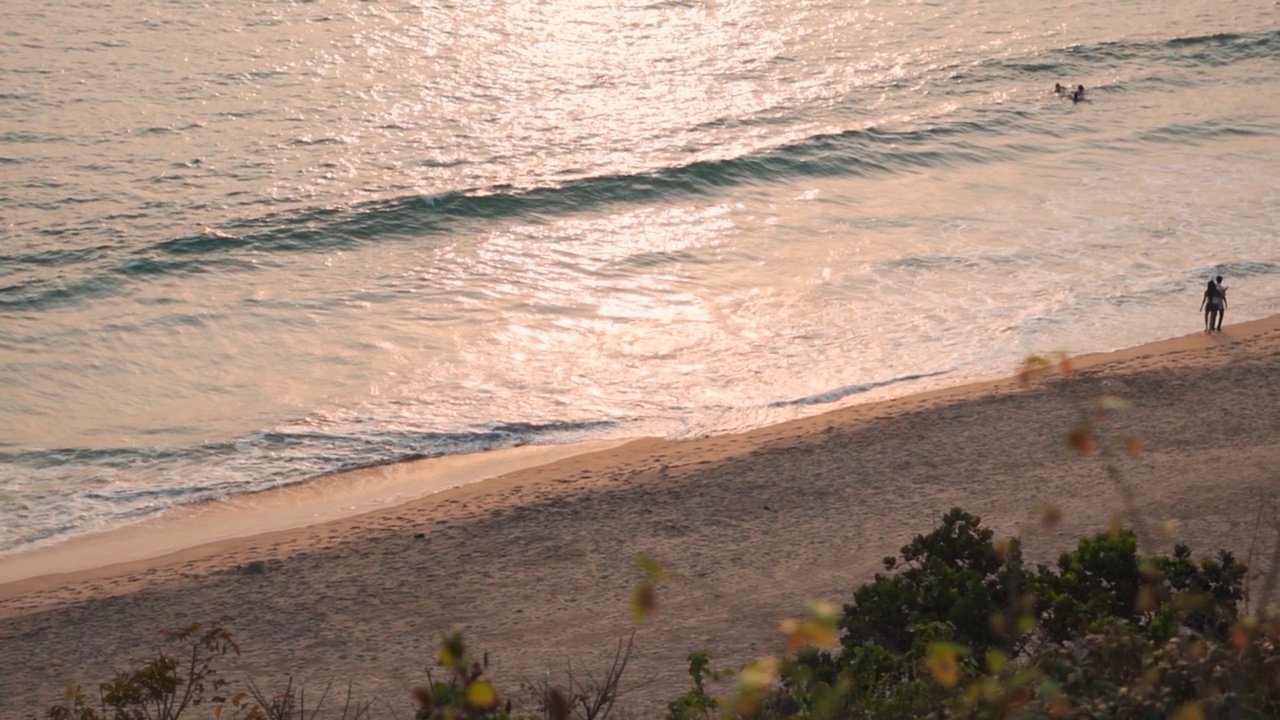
(537, 564)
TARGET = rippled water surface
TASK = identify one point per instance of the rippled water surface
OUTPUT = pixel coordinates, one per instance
(245, 243)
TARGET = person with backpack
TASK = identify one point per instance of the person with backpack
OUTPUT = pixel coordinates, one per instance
(1214, 305)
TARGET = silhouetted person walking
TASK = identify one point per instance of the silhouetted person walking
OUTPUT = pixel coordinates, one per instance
(1214, 305)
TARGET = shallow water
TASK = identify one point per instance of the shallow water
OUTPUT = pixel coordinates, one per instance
(244, 244)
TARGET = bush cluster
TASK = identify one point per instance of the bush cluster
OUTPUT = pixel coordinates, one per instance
(957, 626)
(960, 627)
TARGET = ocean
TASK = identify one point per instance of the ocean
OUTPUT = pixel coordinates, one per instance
(244, 244)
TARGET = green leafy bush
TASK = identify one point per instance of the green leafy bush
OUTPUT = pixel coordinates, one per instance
(696, 704)
(955, 575)
(958, 629)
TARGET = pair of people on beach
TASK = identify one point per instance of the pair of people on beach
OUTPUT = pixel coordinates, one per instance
(1214, 305)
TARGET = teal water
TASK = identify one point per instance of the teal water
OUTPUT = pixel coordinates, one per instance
(243, 244)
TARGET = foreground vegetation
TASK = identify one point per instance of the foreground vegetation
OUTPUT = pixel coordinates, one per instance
(958, 626)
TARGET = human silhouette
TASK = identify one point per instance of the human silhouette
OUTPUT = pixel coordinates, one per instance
(1214, 304)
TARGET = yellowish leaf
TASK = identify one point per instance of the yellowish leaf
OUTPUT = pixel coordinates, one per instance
(1026, 623)
(943, 663)
(996, 660)
(1146, 600)
(823, 611)
(652, 569)
(819, 629)
(1190, 711)
(480, 694)
(760, 673)
(1132, 445)
(1050, 515)
(1108, 403)
(644, 601)
(791, 630)
(1240, 638)
(1002, 548)
(1065, 366)
(820, 634)
(452, 652)
(1115, 526)
(1033, 368)
(807, 632)
(1080, 438)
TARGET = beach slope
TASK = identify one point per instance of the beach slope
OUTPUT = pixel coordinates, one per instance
(537, 564)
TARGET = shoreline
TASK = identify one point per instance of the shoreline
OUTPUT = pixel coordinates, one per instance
(185, 530)
(198, 530)
(536, 562)
(322, 499)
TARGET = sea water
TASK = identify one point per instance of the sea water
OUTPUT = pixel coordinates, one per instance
(244, 243)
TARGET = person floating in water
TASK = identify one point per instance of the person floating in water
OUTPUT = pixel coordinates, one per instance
(1214, 304)
(1077, 95)
(1059, 89)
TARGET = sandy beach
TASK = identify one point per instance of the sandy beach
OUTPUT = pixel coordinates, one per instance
(535, 558)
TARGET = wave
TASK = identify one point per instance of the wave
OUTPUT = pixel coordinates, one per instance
(867, 151)
(830, 396)
(1199, 132)
(1171, 62)
(396, 445)
(130, 483)
(935, 261)
(1243, 269)
(862, 152)
(857, 152)
(1210, 50)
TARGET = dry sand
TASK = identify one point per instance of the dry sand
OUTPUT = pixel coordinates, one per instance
(537, 563)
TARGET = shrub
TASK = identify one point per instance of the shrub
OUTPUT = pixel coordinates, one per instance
(161, 688)
(696, 704)
(1103, 581)
(958, 629)
(955, 575)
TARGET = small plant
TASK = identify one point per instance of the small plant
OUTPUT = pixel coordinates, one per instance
(696, 704)
(593, 697)
(464, 693)
(291, 704)
(162, 688)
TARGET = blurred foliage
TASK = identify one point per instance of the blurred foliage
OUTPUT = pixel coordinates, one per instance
(463, 693)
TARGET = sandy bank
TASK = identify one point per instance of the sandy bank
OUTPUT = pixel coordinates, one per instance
(537, 561)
